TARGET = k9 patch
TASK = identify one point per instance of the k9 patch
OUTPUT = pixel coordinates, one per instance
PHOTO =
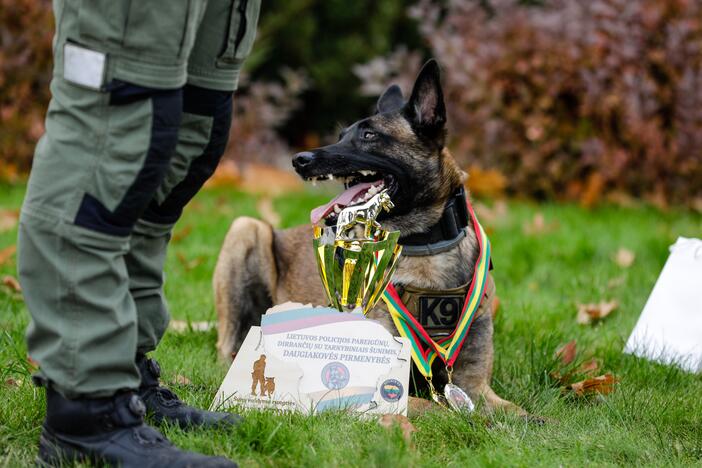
(438, 312)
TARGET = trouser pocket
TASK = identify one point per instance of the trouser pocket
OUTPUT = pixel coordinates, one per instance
(141, 135)
(241, 32)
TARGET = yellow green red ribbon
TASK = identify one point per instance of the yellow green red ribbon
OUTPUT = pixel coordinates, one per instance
(424, 349)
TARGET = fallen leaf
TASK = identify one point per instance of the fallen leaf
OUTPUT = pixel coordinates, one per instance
(7, 253)
(589, 313)
(588, 367)
(624, 257)
(267, 211)
(616, 282)
(567, 352)
(33, 365)
(602, 385)
(184, 326)
(182, 234)
(389, 420)
(538, 225)
(8, 219)
(189, 264)
(12, 283)
(11, 382)
(181, 380)
(419, 406)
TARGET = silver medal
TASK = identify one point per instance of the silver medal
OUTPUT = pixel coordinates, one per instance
(457, 398)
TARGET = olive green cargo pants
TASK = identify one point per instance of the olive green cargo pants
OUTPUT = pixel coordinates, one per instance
(139, 118)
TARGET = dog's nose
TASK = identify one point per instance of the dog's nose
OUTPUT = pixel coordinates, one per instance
(303, 159)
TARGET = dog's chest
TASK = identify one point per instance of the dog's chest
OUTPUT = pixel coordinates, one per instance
(438, 311)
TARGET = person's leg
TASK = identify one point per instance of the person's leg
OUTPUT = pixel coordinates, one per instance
(94, 172)
(228, 32)
(222, 43)
(106, 149)
(203, 137)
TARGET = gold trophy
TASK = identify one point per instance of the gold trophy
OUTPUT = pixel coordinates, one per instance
(357, 261)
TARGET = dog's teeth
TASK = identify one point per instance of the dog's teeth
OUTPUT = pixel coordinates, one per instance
(367, 173)
(314, 182)
(337, 210)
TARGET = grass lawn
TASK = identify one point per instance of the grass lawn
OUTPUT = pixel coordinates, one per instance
(653, 418)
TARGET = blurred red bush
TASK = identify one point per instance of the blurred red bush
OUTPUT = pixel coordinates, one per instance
(571, 99)
(26, 31)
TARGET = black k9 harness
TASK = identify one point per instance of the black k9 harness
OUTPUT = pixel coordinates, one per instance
(438, 311)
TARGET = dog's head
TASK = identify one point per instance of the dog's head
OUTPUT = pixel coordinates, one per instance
(400, 148)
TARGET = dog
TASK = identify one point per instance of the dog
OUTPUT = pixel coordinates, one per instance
(400, 149)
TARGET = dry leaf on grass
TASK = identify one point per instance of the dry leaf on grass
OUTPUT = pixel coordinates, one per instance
(33, 365)
(267, 211)
(12, 283)
(588, 367)
(567, 355)
(181, 380)
(567, 352)
(538, 225)
(7, 253)
(389, 420)
(616, 282)
(184, 326)
(182, 233)
(603, 385)
(8, 219)
(624, 257)
(189, 264)
(12, 382)
(589, 313)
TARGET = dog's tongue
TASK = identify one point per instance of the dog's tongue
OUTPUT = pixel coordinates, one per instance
(344, 199)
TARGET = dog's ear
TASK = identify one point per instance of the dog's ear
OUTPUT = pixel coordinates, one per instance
(425, 109)
(390, 100)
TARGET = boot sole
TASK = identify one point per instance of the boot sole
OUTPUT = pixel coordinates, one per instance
(54, 454)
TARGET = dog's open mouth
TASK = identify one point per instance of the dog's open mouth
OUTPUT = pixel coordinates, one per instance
(359, 186)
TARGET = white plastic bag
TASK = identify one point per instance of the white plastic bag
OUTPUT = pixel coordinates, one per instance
(669, 330)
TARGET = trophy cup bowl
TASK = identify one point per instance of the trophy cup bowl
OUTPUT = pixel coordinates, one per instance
(355, 272)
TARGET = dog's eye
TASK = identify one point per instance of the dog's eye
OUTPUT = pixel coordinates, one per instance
(368, 135)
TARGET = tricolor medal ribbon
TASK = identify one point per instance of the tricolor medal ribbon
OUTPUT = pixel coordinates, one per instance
(424, 349)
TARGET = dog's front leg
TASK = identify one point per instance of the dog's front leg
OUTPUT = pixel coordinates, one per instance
(473, 368)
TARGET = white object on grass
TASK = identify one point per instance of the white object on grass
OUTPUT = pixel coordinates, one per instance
(669, 330)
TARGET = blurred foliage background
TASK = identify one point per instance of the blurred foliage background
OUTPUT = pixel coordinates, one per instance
(587, 101)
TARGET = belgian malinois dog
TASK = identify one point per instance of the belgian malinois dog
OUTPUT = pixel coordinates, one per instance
(401, 149)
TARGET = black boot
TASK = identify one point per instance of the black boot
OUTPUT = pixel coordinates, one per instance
(166, 406)
(109, 431)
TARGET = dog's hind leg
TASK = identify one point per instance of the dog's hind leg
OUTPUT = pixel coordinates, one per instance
(244, 281)
(473, 369)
